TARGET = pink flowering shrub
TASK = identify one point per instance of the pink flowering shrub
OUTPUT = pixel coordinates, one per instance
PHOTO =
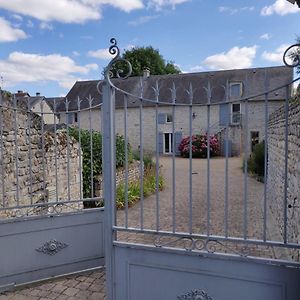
(199, 146)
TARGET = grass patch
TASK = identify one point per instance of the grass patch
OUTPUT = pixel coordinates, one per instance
(149, 187)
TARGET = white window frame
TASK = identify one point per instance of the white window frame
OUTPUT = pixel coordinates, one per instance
(232, 114)
(235, 83)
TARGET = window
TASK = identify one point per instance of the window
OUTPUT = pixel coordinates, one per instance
(236, 89)
(168, 143)
(169, 118)
(254, 139)
(235, 113)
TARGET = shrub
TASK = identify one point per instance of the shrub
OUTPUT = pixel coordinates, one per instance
(92, 156)
(199, 146)
(256, 162)
(147, 159)
(149, 187)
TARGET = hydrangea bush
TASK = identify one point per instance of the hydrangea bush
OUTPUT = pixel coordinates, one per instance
(199, 146)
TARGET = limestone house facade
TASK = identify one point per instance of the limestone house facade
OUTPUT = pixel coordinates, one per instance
(37, 104)
(226, 109)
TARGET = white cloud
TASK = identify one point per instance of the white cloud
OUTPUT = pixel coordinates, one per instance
(265, 36)
(125, 5)
(233, 11)
(280, 7)
(46, 26)
(100, 54)
(196, 68)
(75, 53)
(67, 11)
(17, 17)
(30, 24)
(143, 20)
(22, 67)
(9, 33)
(235, 58)
(159, 4)
(275, 56)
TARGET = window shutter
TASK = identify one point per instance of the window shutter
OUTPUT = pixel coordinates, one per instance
(160, 143)
(161, 118)
(69, 118)
(224, 114)
(178, 138)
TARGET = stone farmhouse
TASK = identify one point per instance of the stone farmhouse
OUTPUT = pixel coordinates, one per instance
(37, 104)
(84, 106)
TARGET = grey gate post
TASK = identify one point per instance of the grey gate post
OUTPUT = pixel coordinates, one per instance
(109, 173)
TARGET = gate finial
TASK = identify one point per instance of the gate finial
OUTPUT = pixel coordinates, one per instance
(115, 50)
(293, 55)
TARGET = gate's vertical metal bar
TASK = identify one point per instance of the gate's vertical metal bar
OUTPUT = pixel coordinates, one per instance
(126, 160)
(55, 152)
(266, 157)
(156, 90)
(43, 149)
(79, 141)
(286, 153)
(16, 149)
(141, 156)
(91, 146)
(226, 162)
(208, 90)
(190, 92)
(2, 148)
(245, 226)
(68, 150)
(29, 115)
(109, 173)
(173, 160)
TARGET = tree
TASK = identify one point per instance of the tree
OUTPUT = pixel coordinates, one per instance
(294, 55)
(142, 58)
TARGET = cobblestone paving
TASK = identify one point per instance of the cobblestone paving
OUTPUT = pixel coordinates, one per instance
(92, 285)
(84, 286)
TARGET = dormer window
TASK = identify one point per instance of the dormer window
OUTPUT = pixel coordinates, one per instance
(236, 89)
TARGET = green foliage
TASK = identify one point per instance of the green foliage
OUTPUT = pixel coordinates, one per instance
(91, 145)
(256, 162)
(134, 193)
(147, 159)
(296, 54)
(146, 57)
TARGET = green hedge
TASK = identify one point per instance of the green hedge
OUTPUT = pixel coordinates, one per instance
(91, 145)
(256, 162)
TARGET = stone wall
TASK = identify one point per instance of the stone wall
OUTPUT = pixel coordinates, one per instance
(276, 172)
(28, 168)
(133, 175)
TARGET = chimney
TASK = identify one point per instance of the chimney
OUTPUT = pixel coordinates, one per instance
(38, 94)
(146, 73)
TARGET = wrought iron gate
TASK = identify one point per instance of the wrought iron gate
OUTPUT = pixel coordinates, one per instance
(46, 228)
(213, 232)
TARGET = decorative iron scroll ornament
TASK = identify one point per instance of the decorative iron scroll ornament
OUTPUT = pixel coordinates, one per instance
(195, 295)
(208, 245)
(52, 247)
(114, 50)
(291, 56)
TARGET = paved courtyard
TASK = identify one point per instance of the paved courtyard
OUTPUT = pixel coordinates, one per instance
(92, 285)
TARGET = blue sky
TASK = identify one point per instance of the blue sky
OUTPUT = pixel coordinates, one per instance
(46, 45)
